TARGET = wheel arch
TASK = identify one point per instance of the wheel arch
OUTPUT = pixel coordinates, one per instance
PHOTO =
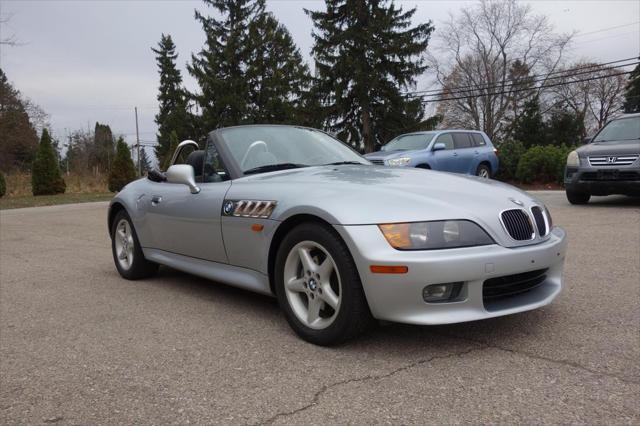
(424, 165)
(488, 164)
(114, 209)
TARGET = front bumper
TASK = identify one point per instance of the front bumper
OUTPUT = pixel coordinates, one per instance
(603, 181)
(398, 297)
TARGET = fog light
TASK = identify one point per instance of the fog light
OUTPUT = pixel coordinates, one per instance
(438, 293)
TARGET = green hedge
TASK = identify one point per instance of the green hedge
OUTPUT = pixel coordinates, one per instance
(509, 153)
(543, 164)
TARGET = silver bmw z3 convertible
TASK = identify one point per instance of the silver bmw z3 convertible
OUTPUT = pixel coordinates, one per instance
(292, 212)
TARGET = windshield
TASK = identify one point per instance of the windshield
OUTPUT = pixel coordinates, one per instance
(269, 148)
(620, 130)
(409, 142)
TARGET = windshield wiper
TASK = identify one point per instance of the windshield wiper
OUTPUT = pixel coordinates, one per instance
(273, 167)
(338, 163)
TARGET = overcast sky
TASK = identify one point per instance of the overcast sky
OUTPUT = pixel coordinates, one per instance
(88, 61)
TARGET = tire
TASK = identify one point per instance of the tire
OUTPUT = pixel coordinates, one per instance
(124, 242)
(578, 197)
(328, 285)
(423, 166)
(483, 171)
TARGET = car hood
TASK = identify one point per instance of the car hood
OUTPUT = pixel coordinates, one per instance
(359, 195)
(386, 155)
(610, 148)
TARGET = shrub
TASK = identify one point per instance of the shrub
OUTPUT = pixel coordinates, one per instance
(46, 178)
(123, 170)
(3, 185)
(509, 154)
(543, 164)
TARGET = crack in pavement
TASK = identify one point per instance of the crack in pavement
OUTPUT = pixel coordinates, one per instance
(324, 389)
(566, 363)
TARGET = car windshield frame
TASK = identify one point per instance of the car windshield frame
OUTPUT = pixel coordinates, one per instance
(223, 141)
(429, 135)
(603, 136)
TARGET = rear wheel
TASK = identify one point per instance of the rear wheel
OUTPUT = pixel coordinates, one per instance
(577, 197)
(126, 250)
(483, 171)
(318, 286)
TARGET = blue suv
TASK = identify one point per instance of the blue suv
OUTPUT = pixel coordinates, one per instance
(457, 151)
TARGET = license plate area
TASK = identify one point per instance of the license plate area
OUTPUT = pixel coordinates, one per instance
(608, 174)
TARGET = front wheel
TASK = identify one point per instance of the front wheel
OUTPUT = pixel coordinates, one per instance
(127, 253)
(483, 171)
(578, 197)
(318, 286)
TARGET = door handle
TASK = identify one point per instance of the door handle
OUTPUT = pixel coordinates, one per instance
(155, 200)
(455, 154)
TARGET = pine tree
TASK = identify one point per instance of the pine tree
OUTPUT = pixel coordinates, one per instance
(173, 115)
(102, 150)
(366, 54)
(123, 170)
(46, 178)
(632, 94)
(173, 144)
(276, 74)
(145, 163)
(3, 185)
(18, 137)
(220, 67)
(529, 127)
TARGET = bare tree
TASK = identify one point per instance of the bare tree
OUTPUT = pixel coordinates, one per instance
(489, 55)
(6, 40)
(594, 94)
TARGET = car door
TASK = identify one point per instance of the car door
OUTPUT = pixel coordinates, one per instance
(445, 159)
(463, 152)
(188, 224)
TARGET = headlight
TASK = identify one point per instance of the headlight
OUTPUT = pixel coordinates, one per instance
(402, 161)
(573, 160)
(434, 235)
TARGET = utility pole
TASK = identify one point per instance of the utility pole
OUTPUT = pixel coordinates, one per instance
(138, 144)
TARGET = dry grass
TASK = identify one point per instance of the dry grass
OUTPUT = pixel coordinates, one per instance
(19, 184)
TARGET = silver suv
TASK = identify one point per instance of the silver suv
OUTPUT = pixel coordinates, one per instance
(609, 164)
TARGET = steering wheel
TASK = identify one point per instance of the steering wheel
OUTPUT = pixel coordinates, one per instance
(253, 147)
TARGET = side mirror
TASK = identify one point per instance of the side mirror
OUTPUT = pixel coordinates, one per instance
(587, 140)
(383, 148)
(184, 174)
(439, 147)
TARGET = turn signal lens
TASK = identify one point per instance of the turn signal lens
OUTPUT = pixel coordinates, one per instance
(397, 234)
(383, 269)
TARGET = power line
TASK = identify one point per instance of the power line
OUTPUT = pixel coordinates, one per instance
(426, 101)
(514, 83)
(607, 29)
(591, 66)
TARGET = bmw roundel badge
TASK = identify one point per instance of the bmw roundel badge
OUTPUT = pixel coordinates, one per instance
(227, 208)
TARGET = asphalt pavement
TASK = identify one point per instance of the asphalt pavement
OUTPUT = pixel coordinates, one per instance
(80, 345)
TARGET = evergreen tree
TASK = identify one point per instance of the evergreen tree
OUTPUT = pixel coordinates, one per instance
(220, 67)
(173, 115)
(46, 178)
(18, 137)
(529, 127)
(563, 128)
(276, 74)
(632, 94)
(173, 145)
(102, 150)
(3, 185)
(123, 170)
(145, 163)
(366, 53)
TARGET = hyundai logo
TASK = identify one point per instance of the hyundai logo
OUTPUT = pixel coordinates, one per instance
(612, 160)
